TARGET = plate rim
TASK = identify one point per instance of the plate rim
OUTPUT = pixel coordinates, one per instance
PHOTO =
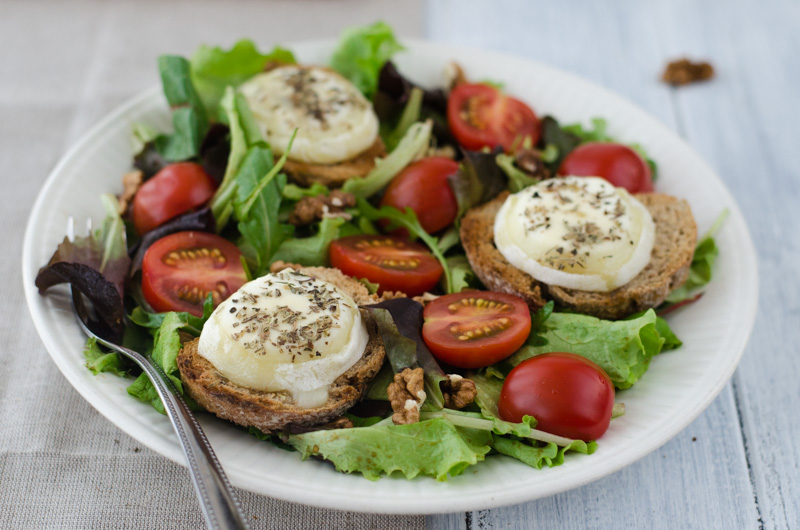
(173, 452)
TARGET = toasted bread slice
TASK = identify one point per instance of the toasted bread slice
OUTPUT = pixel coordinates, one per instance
(676, 236)
(334, 175)
(271, 411)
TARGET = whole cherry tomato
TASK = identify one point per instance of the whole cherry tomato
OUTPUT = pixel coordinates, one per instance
(617, 163)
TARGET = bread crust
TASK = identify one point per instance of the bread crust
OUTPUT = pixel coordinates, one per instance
(272, 411)
(335, 175)
(668, 269)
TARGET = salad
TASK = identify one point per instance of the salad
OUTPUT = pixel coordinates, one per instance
(216, 183)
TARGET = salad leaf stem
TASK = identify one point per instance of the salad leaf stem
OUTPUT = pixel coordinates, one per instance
(469, 421)
(266, 179)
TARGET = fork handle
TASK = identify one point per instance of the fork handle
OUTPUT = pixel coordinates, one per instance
(218, 502)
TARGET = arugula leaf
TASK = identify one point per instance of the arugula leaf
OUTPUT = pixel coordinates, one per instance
(434, 447)
(189, 119)
(98, 361)
(705, 254)
(517, 179)
(214, 69)
(461, 273)
(622, 348)
(310, 251)
(410, 115)
(411, 146)
(362, 52)
(293, 192)
(96, 265)
(409, 221)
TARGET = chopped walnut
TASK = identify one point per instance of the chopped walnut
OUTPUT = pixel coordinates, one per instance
(683, 71)
(391, 295)
(278, 266)
(458, 392)
(311, 209)
(425, 297)
(131, 182)
(407, 395)
(530, 161)
(454, 76)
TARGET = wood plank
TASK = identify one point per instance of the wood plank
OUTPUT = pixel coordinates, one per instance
(700, 478)
(745, 124)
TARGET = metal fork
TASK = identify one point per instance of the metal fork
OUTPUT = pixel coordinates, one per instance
(218, 502)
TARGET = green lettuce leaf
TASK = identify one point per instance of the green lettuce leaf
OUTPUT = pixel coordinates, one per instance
(189, 119)
(293, 192)
(477, 180)
(153, 321)
(310, 251)
(410, 115)
(461, 273)
(433, 447)
(412, 146)
(549, 455)
(705, 254)
(517, 179)
(98, 361)
(622, 348)
(214, 69)
(362, 52)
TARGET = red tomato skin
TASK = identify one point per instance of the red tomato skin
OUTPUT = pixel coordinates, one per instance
(568, 395)
(345, 255)
(174, 190)
(475, 353)
(481, 116)
(617, 163)
(423, 187)
(168, 283)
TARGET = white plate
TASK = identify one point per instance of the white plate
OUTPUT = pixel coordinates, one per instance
(678, 386)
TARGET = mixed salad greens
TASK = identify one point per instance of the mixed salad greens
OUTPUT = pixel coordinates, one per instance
(214, 126)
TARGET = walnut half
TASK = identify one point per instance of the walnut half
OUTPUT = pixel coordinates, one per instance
(407, 395)
(458, 392)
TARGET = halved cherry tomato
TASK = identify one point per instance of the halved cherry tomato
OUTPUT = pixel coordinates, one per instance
(396, 264)
(423, 187)
(472, 329)
(617, 163)
(568, 395)
(180, 270)
(482, 116)
(174, 190)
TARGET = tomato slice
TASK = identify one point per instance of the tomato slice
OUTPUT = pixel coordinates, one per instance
(617, 163)
(482, 116)
(568, 395)
(473, 329)
(423, 187)
(174, 190)
(396, 264)
(181, 269)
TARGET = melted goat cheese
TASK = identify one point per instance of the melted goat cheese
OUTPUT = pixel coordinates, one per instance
(334, 120)
(285, 332)
(576, 232)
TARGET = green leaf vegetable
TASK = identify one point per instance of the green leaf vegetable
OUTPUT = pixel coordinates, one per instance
(189, 119)
(412, 146)
(362, 52)
(705, 254)
(622, 348)
(98, 361)
(410, 115)
(213, 68)
(311, 251)
(517, 179)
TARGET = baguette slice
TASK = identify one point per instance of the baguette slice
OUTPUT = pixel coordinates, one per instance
(676, 236)
(334, 175)
(271, 411)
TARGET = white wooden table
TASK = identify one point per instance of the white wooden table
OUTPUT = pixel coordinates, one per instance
(63, 66)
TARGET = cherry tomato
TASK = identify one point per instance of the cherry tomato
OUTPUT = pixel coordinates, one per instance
(617, 163)
(423, 187)
(174, 190)
(396, 264)
(179, 271)
(473, 329)
(568, 395)
(482, 116)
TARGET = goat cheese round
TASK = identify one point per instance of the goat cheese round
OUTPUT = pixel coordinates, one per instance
(576, 232)
(334, 120)
(285, 332)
